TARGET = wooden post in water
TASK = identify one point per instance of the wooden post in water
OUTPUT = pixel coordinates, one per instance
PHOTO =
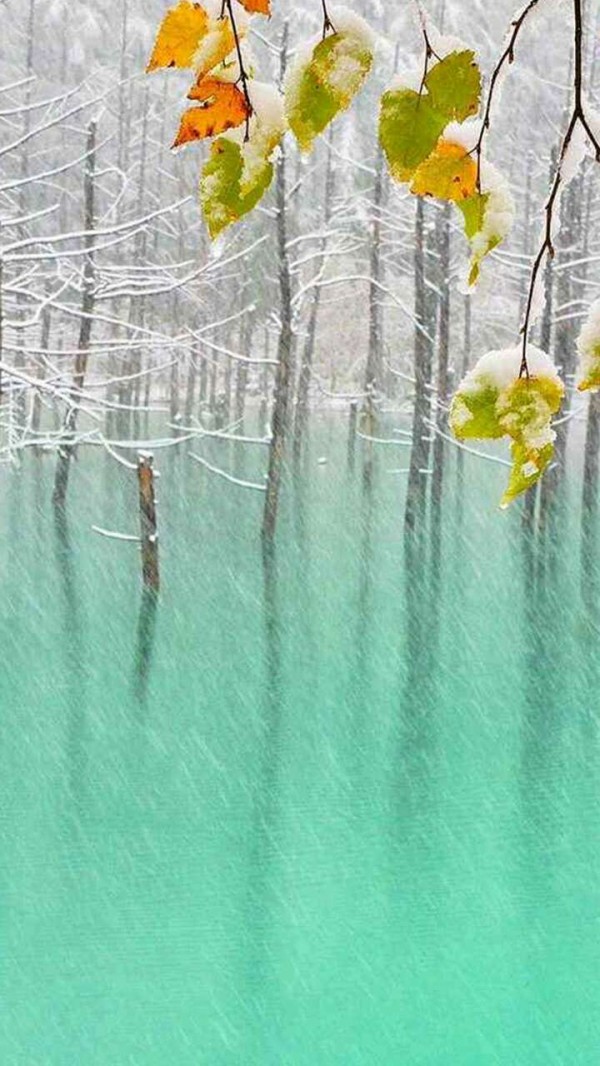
(352, 435)
(148, 527)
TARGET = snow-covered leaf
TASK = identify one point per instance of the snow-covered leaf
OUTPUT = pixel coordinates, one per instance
(323, 81)
(488, 216)
(588, 346)
(190, 36)
(494, 400)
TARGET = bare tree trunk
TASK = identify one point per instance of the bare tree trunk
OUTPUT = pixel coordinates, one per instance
(301, 414)
(279, 426)
(443, 389)
(419, 456)
(65, 451)
(374, 357)
(352, 436)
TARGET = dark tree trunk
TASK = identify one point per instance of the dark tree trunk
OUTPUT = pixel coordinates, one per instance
(65, 452)
(414, 514)
(283, 380)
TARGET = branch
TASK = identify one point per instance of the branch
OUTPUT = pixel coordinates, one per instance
(507, 56)
(577, 117)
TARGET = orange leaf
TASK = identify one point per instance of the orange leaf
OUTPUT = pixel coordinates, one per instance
(258, 7)
(189, 37)
(223, 107)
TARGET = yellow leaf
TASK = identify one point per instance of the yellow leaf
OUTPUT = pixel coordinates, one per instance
(223, 107)
(449, 173)
(189, 37)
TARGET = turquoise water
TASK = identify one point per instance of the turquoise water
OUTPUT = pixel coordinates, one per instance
(346, 818)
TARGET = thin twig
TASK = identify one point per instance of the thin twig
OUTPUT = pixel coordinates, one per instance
(507, 56)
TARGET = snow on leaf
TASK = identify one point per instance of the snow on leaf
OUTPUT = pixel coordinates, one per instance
(324, 82)
(223, 196)
(223, 107)
(527, 467)
(449, 173)
(488, 216)
(191, 37)
(588, 346)
(494, 401)
(239, 171)
(454, 86)
(409, 129)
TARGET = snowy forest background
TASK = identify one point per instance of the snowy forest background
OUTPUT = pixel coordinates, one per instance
(183, 335)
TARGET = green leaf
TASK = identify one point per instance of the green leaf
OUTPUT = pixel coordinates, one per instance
(588, 346)
(526, 407)
(409, 129)
(488, 216)
(494, 401)
(473, 414)
(473, 211)
(229, 187)
(528, 466)
(318, 90)
(454, 86)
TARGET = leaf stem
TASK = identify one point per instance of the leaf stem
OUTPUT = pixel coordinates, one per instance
(327, 23)
(243, 78)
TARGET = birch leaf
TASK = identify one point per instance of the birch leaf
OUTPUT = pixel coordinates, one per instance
(409, 129)
(588, 346)
(528, 466)
(223, 107)
(239, 171)
(488, 216)
(190, 37)
(449, 173)
(225, 195)
(257, 7)
(494, 401)
(318, 89)
(454, 86)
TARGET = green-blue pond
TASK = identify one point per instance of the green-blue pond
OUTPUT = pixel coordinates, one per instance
(339, 818)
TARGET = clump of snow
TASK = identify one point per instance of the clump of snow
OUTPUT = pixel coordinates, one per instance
(355, 36)
(574, 155)
(500, 209)
(499, 369)
(267, 127)
(538, 298)
(464, 133)
(209, 50)
(350, 24)
(409, 77)
(443, 44)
